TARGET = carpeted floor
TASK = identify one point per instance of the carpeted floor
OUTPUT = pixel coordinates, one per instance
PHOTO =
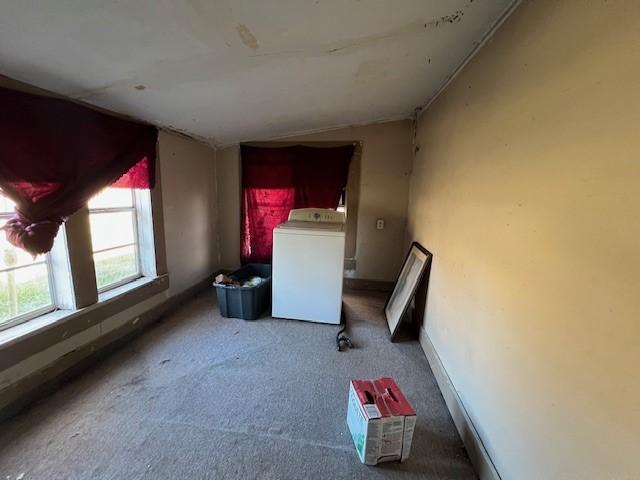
(201, 396)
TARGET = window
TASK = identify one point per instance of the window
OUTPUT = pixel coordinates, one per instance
(114, 237)
(342, 203)
(116, 231)
(25, 283)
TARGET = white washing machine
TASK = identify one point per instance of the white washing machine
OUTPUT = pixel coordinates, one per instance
(308, 264)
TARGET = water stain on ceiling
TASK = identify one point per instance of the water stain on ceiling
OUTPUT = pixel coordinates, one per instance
(247, 37)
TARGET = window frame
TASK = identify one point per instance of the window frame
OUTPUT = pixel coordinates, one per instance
(25, 317)
(342, 203)
(70, 266)
(134, 209)
(85, 321)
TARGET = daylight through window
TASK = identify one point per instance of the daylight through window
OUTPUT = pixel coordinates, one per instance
(114, 235)
(25, 284)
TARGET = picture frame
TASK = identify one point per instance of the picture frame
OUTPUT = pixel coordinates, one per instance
(415, 264)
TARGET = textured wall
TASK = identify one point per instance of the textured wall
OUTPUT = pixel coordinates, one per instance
(525, 188)
(189, 204)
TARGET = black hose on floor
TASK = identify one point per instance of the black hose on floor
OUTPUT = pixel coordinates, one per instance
(340, 337)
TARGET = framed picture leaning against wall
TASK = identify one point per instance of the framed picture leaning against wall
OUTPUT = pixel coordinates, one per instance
(415, 264)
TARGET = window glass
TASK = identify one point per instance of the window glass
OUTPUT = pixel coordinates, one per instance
(6, 206)
(25, 289)
(112, 229)
(112, 198)
(114, 265)
(113, 220)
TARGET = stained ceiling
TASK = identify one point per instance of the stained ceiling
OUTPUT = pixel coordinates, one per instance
(234, 70)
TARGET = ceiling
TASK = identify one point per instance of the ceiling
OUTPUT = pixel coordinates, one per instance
(234, 70)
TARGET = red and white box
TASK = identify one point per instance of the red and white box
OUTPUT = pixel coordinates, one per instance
(381, 421)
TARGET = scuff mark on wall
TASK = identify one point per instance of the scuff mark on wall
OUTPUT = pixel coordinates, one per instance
(455, 17)
(247, 37)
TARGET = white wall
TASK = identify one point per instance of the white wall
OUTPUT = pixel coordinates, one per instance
(526, 189)
(187, 170)
(384, 183)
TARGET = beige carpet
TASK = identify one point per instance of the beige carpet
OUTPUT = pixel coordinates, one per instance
(200, 396)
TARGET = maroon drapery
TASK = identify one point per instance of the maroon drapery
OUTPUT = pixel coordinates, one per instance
(55, 155)
(276, 180)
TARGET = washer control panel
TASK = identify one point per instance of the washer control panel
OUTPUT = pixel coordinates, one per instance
(321, 215)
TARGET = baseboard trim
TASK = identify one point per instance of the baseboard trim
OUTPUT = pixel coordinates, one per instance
(473, 443)
(20, 395)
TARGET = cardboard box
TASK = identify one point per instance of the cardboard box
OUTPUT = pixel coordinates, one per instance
(381, 421)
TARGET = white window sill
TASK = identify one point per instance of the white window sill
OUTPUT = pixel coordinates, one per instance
(39, 324)
(114, 292)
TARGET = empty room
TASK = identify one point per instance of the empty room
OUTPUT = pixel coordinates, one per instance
(320, 239)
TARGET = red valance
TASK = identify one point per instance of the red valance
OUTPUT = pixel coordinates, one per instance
(55, 155)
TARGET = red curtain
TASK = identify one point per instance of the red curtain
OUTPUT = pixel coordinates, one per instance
(276, 180)
(55, 155)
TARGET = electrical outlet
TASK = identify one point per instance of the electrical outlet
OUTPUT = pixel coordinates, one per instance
(380, 223)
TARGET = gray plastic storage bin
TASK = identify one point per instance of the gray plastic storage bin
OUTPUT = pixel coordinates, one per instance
(247, 303)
